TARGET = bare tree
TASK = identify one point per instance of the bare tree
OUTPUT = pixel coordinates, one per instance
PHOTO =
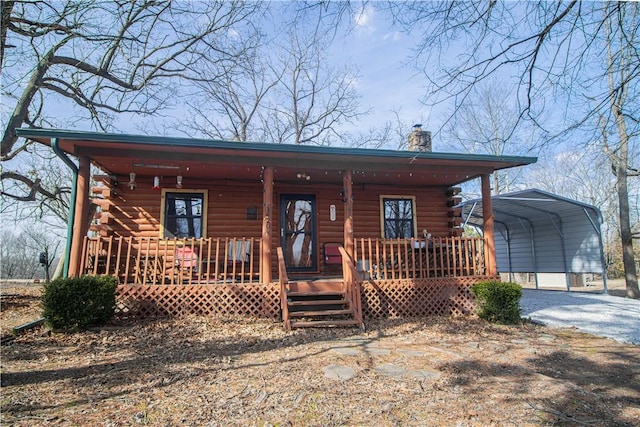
(486, 124)
(314, 98)
(20, 250)
(99, 59)
(623, 62)
(229, 106)
(578, 58)
(283, 91)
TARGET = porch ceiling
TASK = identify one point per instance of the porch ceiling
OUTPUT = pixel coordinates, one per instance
(198, 159)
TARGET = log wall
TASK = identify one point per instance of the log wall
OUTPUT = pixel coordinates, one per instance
(125, 212)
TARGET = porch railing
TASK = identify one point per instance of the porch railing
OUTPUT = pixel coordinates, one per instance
(283, 279)
(351, 283)
(420, 258)
(144, 260)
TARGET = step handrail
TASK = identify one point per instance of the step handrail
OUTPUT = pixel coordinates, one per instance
(352, 279)
(283, 278)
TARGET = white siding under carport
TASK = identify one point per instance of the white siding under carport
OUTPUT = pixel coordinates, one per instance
(539, 232)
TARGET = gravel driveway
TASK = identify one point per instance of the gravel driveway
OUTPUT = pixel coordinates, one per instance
(604, 315)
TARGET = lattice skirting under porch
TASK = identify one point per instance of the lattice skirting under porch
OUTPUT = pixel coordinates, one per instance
(446, 296)
(389, 298)
(257, 300)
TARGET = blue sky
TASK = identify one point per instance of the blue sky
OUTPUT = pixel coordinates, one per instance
(386, 80)
(386, 83)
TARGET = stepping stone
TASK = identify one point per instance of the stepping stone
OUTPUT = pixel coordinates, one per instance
(374, 351)
(547, 337)
(410, 353)
(352, 341)
(338, 372)
(346, 351)
(390, 370)
(424, 374)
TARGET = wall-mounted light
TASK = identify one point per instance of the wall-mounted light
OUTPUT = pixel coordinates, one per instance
(303, 175)
(179, 181)
(156, 182)
(132, 180)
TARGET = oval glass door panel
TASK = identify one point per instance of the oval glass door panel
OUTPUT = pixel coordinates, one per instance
(298, 231)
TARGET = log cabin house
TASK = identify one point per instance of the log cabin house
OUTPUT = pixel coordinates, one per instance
(311, 235)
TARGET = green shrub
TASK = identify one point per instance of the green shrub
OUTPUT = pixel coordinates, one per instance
(498, 302)
(75, 303)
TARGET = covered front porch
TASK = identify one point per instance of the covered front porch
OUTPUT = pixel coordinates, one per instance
(196, 226)
(226, 277)
(217, 261)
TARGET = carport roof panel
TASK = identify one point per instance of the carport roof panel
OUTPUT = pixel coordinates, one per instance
(540, 232)
(532, 205)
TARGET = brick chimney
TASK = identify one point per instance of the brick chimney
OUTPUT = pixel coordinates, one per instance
(419, 140)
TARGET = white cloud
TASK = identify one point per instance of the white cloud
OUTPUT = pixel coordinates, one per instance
(364, 18)
(393, 36)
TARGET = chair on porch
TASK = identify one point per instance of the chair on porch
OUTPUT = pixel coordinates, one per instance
(187, 263)
(332, 253)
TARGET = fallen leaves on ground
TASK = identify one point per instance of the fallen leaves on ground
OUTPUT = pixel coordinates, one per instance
(217, 372)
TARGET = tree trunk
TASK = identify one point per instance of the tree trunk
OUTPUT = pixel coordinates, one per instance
(620, 159)
(628, 261)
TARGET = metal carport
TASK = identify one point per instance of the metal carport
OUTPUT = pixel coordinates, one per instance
(539, 232)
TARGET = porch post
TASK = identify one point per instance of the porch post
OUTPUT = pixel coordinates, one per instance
(80, 216)
(267, 212)
(487, 214)
(347, 184)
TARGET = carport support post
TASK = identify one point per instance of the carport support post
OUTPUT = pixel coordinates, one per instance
(596, 228)
(80, 225)
(488, 219)
(267, 212)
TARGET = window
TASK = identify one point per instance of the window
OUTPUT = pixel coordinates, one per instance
(183, 214)
(398, 217)
(251, 213)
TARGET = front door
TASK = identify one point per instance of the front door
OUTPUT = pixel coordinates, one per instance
(298, 231)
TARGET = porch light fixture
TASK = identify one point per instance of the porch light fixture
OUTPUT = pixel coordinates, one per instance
(303, 175)
(179, 181)
(156, 182)
(132, 180)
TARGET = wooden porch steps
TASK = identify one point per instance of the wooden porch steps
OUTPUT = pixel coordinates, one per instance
(313, 294)
(319, 313)
(319, 323)
(319, 303)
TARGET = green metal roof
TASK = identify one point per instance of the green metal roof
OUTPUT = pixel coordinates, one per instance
(146, 140)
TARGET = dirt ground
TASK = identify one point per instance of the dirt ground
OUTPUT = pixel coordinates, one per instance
(411, 372)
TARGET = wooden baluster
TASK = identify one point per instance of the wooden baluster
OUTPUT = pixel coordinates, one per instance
(449, 256)
(217, 258)
(392, 259)
(370, 257)
(385, 273)
(454, 256)
(468, 254)
(441, 256)
(379, 271)
(127, 266)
